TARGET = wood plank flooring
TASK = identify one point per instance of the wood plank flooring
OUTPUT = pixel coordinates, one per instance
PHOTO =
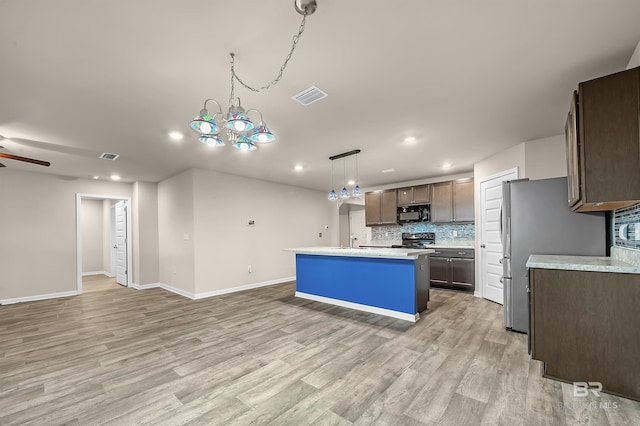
(121, 356)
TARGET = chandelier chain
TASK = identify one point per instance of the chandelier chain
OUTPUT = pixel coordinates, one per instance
(273, 82)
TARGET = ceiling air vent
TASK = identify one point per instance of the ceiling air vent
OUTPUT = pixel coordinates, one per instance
(309, 96)
(108, 156)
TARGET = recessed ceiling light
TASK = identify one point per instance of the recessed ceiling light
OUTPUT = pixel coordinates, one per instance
(389, 170)
(410, 139)
(447, 165)
(115, 177)
(351, 182)
(176, 136)
(298, 167)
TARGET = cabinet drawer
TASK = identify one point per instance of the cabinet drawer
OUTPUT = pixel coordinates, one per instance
(463, 253)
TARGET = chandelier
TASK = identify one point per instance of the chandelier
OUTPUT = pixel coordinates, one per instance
(344, 193)
(240, 131)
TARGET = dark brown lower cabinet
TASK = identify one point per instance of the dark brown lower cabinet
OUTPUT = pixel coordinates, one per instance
(585, 327)
(453, 269)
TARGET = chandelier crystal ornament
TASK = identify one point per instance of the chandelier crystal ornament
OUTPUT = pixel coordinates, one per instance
(241, 132)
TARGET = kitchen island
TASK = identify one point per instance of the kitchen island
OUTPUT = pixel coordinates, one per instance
(386, 281)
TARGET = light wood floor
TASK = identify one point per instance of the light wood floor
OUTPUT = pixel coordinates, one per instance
(99, 283)
(123, 356)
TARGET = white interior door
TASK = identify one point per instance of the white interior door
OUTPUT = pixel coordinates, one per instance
(121, 242)
(358, 228)
(490, 244)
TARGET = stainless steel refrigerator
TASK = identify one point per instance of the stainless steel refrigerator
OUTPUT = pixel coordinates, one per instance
(536, 219)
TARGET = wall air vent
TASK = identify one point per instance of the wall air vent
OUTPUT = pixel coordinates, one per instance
(309, 96)
(108, 156)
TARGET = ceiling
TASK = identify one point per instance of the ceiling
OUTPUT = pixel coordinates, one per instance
(466, 78)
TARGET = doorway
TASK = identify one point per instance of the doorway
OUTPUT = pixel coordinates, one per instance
(122, 232)
(490, 240)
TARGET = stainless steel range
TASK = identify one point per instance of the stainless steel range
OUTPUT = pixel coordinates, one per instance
(417, 240)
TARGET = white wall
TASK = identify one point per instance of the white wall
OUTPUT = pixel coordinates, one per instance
(545, 158)
(536, 159)
(93, 242)
(285, 217)
(176, 234)
(146, 266)
(38, 220)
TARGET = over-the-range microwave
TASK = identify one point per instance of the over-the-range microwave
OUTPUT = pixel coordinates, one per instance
(410, 214)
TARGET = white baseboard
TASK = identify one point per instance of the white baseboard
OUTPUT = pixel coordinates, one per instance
(198, 296)
(477, 294)
(179, 291)
(84, 274)
(145, 286)
(359, 307)
(38, 297)
(243, 287)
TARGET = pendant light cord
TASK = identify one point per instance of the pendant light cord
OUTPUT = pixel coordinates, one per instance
(273, 82)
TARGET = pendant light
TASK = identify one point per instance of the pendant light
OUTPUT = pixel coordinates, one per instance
(333, 196)
(344, 194)
(356, 193)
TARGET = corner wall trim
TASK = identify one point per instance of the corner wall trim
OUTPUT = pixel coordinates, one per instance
(359, 307)
(38, 297)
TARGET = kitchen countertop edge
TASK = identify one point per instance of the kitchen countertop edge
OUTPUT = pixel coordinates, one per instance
(396, 253)
(581, 263)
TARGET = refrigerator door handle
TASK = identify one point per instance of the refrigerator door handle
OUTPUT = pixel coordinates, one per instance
(508, 313)
(500, 225)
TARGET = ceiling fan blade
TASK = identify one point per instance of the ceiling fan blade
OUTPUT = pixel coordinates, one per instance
(25, 159)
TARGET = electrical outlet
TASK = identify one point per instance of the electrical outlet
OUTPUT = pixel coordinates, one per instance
(455, 233)
(320, 234)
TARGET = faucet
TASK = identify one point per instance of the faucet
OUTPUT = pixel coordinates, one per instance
(352, 238)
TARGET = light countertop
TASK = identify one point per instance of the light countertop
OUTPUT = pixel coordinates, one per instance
(390, 253)
(581, 263)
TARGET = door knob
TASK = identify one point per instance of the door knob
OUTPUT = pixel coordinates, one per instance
(116, 246)
(482, 246)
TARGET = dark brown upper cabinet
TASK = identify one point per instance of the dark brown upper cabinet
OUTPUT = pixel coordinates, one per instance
(380, 208)
(603, 143)
(413, 195)
(452, 201)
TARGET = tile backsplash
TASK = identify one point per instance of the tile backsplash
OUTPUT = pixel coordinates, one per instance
(626, 225)
(444, 232)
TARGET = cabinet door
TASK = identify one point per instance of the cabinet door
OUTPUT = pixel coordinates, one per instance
(442, 202)
(573, 156)
(405, 196)
(463, 201)
(439, 271)
(463, 273)
(609, 139)
(372, 208)
(421, 194)
(388, 211)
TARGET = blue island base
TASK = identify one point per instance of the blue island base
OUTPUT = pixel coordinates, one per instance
(394, 287)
